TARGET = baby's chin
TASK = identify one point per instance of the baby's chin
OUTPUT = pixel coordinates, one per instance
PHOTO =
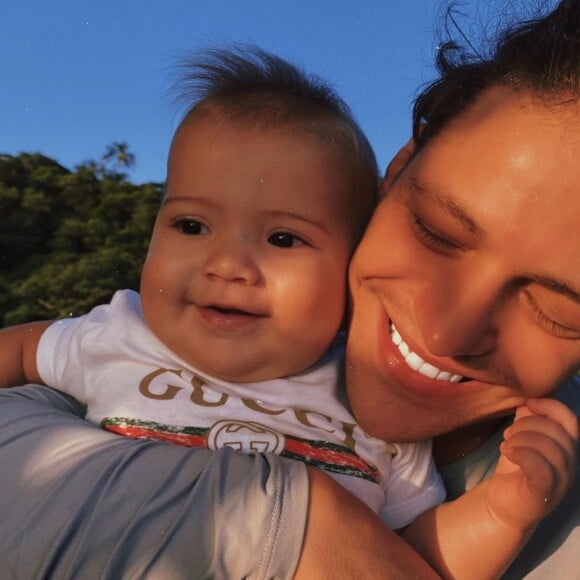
(256, 372)
(264, 373)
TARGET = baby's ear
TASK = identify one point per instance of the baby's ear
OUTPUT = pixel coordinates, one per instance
(397, 164)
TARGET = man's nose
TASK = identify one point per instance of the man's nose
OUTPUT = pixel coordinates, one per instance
(233, 260)
(462, 319)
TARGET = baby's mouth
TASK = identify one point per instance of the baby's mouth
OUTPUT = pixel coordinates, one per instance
(227, 318)
(419, 365)
(229, 311)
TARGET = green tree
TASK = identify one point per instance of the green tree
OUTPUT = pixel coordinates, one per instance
(68, 239)
(117, 158)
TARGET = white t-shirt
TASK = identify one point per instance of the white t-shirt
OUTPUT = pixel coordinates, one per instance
(134, 385)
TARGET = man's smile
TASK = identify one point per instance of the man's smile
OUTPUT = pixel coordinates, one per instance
(415, 362)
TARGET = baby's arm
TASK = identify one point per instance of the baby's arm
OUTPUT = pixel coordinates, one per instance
(18, 345)
(478, 535)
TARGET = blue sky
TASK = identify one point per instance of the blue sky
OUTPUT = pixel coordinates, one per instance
(77, 75)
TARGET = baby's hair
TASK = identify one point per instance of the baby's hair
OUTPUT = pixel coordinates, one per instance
(245, 83)
(540, 55)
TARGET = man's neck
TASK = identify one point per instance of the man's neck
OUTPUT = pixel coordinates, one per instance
(453, 446)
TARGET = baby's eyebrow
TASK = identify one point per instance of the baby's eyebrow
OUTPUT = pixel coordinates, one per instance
(300, 217)
(448, 204)
(188, 199)
(280, 214)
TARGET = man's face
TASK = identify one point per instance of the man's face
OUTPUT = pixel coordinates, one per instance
(246, 270)
(466, 286)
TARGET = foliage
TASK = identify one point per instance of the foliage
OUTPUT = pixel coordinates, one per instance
(69, 239)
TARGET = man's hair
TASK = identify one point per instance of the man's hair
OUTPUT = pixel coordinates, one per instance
(250, 85)
(541, 55)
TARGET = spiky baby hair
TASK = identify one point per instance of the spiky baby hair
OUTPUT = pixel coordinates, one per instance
(246, 83)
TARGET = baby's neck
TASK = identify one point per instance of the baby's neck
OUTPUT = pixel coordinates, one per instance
(452, 446)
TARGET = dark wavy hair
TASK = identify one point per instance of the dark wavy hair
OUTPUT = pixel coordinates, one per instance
(541, 55)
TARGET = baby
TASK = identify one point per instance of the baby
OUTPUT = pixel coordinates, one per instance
(234, 339)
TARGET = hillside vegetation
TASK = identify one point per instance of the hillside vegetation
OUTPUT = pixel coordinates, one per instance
(69, 239)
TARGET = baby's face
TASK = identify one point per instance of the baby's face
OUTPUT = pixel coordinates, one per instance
(245, 274)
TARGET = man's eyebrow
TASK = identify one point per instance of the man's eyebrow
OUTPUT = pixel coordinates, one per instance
(433, 194)
(559, 286)
(448, 204)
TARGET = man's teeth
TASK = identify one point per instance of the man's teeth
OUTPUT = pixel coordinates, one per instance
(417, 363)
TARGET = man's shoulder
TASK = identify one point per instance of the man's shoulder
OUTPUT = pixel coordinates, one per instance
(569, 394)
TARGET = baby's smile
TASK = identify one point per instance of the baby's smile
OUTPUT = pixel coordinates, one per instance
(226, 317)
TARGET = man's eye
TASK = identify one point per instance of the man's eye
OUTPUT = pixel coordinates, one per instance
(190, 227)
(431, 238)
(551, 326)
(284, 240)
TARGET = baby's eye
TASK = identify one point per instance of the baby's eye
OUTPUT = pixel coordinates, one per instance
(190, 227)
(285, 240)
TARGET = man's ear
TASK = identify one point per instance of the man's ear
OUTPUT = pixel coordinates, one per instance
(397, 164)
(399, 161)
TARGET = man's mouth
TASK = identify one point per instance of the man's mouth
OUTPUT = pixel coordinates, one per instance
(419, 365)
